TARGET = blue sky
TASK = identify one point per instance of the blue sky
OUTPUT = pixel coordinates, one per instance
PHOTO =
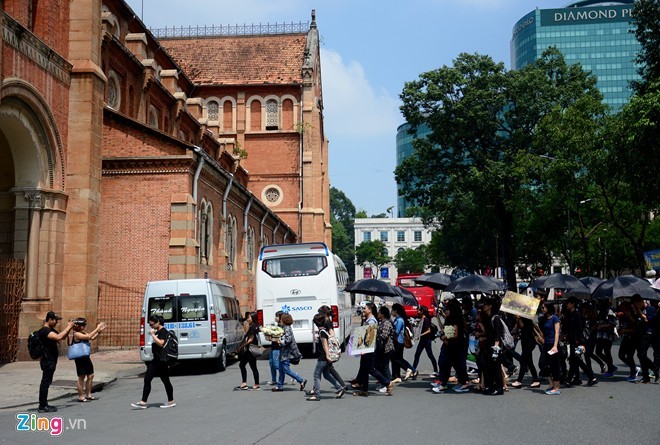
(369, 49)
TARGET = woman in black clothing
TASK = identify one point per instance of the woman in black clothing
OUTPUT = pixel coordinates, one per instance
(528, 343)
(245, 357)
(453, 340)
(494, 333)
(156, 366)
(425, 341)
(605, 324)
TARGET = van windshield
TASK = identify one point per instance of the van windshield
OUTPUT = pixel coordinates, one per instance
(408, 282)
(296, 266)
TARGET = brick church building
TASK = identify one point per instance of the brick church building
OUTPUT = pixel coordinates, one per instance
(125, 158)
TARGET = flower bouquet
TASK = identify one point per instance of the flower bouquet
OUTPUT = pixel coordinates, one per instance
(272, 331)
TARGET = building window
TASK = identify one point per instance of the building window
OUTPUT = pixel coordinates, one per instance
(383, 236)
(255, 115)
(366, 236)
(400, 235)
(212, 111)
(417, 234)
(227, 116)
(114, 91)
(272, 195)
(230, 241)
(153, 117)
(272, 115)
(400, 249)
(287, 114)
(250, 249)
(206, 233)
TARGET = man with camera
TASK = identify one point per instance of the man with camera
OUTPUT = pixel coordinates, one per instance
(49, 338)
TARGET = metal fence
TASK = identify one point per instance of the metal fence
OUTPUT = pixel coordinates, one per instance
(12, 290)
(119, 308)
(182, 32)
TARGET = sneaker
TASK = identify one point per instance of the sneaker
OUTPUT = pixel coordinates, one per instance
(302, 385)
(436, 383)
(552, 392)
(637, 371)
(340, 393)
(382, 389)
(461, 388)
(48, 409)
(139, 405)
(608, 375)
(592, 382)
(168, 405)
(271, 383)
(439, 389)
(433, 375)
(632, 379)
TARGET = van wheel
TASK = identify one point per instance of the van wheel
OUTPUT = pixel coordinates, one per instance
(221, 361)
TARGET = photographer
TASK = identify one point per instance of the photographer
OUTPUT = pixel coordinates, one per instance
(49, 338)
(84, 365)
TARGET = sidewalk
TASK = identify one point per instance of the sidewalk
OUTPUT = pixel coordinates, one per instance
(20, 380)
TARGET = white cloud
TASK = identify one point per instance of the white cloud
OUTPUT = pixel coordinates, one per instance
(352, 106)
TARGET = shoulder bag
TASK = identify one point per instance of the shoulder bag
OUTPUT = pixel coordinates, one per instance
(79, 349)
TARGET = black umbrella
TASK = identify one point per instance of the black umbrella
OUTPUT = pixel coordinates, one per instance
(434, 280)
(559, 281)
(372, 286)
(475, 283)
(625, 286)
(404, 296)
(590, 282)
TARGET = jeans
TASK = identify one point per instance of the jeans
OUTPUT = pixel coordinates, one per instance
(643, 345)
(322, 367)
(274, 362)
(48, 371)
(156, 367)
(285, 369)
(425, 343)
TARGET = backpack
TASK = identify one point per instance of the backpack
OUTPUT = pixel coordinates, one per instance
(170, 352)
(334, 348)
(35, 346)
(507, 338)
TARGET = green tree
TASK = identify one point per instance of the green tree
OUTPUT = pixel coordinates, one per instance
(372, 253)
(471, 175)
(411, 260)
(342, 217)
(647, 33)
(361, 214)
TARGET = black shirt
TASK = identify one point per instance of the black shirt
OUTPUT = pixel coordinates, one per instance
(456, 320)
(155, 348)
(50, 346)
(319, 346)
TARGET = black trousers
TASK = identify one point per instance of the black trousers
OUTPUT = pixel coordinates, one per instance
(576, 362)
(454, 359)
(245, 358)
(643, 345)
(604, 351)
(527, 361)
(627, 352)
(160, 369)
(493, 373)
(367, 367)
(48, 371)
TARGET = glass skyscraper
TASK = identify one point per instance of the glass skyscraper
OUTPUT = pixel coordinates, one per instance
(594, 33)
(404, 148)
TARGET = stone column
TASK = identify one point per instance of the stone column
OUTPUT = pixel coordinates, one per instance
(83, 167)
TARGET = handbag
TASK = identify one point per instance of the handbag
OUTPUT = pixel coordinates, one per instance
(78, 350)
(256, 350)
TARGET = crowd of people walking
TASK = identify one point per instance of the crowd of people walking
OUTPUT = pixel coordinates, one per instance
(571, 335)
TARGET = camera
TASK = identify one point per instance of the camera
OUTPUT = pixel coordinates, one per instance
(80, 322)
(579, 351)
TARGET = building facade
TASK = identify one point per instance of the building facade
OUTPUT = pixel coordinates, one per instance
(404, 148)
(111, 173)
(397, 234)
(594, 33)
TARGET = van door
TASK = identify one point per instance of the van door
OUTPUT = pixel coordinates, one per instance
(194, 325)
(166, 307)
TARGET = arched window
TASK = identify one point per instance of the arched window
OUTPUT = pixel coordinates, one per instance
(131, 101)
(206, 233)
(230, 241)
(227, 116)
(255, 115)
(212, 111)
(287, 114)
(153, 117)
(272, 115)
(250, 247)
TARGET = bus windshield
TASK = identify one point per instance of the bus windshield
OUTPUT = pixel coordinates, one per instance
(295, 266)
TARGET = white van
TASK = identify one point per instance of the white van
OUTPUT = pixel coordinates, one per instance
(298, 279)
(204, 314)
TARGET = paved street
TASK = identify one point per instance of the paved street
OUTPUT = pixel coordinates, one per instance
(209, 409)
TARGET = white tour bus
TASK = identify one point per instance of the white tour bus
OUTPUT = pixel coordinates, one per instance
(298, 279)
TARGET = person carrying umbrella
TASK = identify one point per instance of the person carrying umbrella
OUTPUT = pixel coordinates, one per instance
(644, 332)
(574, 332)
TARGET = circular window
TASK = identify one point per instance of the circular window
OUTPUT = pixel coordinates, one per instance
(271, 195)
(114, 93)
